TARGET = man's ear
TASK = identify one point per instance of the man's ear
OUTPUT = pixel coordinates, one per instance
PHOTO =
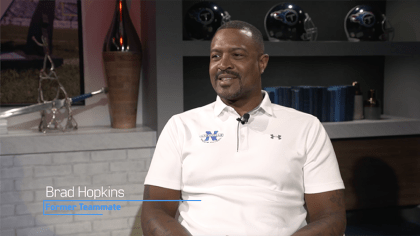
(263, 61)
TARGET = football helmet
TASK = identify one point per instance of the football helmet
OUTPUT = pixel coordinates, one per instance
(203, 19)
(365, 23)
(287, 21)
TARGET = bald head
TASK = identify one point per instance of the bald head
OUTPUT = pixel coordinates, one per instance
(248, 29)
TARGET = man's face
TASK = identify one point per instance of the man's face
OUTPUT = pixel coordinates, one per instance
(236, 65)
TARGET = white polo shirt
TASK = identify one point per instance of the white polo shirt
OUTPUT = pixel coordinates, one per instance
(250, 178)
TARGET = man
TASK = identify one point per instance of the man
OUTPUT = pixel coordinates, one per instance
(258, 168)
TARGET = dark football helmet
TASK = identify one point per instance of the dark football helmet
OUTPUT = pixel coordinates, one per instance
(287, 21)
(203, 19)
(365, 23)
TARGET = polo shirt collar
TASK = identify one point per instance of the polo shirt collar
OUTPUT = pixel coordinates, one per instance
(264, 105)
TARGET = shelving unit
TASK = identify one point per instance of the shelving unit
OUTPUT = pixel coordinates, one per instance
(328, 61)
(386, 126)
(392, 68)
(324, 48)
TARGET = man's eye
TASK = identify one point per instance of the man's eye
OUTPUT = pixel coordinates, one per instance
(215, 56)
(238, 55)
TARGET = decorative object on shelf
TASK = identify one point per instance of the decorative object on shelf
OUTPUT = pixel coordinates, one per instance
(51, 78)
(358, 102)
(371, 106)
(287, 21)
(365, 23)
(329, 104)
(203, 19)
(48, 81)
(341, 102)
(58, 104)
(122, 55)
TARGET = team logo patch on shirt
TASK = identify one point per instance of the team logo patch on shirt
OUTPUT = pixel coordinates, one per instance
(210, 137)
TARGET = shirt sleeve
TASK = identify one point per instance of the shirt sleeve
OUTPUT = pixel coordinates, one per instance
(165, 167)
(321, 172)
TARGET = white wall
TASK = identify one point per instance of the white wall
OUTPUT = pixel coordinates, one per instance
(23, 189)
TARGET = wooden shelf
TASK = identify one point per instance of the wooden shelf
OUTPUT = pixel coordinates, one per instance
(321, 48)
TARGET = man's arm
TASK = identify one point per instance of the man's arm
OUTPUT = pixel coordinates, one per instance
(158, 218)
(327, 214)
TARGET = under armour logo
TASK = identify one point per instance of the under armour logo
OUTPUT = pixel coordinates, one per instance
(275, 136)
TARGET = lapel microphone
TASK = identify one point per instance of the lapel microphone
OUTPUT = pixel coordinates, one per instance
(244, 119)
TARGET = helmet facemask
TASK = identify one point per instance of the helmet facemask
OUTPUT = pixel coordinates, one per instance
(310, 29)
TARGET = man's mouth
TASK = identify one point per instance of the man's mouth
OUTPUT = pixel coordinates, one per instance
(226, 76)
(226, 80)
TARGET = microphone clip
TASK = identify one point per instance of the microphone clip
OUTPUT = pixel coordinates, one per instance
(240, 120)
(244, 119)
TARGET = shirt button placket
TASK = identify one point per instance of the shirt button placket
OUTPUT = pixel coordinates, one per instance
(243, 137)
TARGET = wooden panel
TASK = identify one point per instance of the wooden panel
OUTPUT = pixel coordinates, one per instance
(379, 172)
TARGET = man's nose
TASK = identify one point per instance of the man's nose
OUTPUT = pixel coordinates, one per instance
(225, 63)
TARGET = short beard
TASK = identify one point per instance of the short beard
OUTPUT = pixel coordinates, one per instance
(231, 97)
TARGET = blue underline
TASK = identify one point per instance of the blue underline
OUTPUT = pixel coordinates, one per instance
(73, 214)
(43, 204)
(125, 200)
